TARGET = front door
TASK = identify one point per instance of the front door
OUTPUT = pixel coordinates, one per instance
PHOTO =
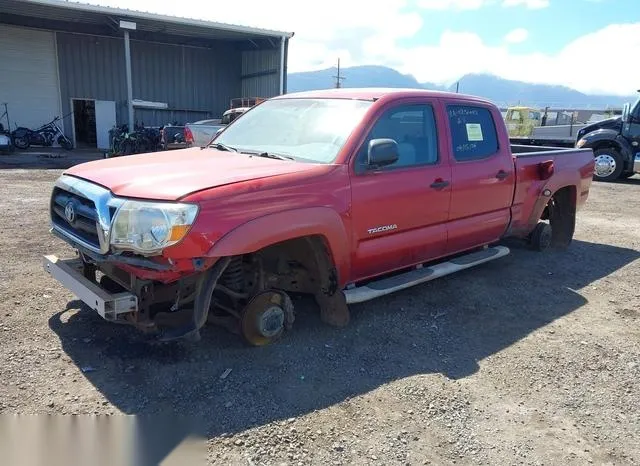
(483, 177)
(631, 130)
(399, 212)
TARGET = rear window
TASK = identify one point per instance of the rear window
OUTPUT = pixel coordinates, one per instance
(473, 132)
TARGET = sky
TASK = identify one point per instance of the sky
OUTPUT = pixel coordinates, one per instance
(590, 45)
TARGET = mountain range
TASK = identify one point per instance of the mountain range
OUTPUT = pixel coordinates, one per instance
(502, 92)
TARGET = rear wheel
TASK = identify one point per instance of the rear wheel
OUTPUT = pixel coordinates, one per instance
(65, 143)
(608, 164)
(540, 238)
(22, 142)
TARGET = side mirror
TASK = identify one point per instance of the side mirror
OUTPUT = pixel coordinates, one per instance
(382, 152)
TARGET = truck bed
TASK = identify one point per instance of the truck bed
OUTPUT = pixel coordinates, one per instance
(571, 167)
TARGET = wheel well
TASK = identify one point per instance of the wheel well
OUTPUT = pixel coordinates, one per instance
(566, 196)
(561, 213)
(300, 265)
(606, 145)
(303, 265)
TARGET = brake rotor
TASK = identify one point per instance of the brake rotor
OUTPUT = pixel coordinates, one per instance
(266, 317)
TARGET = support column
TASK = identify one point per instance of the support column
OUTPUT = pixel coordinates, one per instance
(282, 68)
(127, 58)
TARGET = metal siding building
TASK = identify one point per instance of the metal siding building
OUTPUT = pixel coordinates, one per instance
(58, 55)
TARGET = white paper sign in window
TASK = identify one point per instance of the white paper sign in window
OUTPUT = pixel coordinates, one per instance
(474, 132)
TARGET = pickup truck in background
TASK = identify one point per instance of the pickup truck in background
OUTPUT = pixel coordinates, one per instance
(201, 133)
(615, 143)
(343, 194)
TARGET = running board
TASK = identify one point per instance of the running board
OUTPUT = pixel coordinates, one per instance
(420, 274)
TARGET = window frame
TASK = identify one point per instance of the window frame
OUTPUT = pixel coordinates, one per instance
(474, 105)
(361, 169)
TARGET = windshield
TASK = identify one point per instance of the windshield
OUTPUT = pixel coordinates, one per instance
(311, 130)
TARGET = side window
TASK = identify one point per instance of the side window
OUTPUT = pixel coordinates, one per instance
(413, 127)
(473, 132)
(635, 111)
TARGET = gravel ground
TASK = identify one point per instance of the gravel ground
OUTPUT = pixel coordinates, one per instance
(532, 359)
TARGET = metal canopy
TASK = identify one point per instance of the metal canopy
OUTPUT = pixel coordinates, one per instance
(81, 17)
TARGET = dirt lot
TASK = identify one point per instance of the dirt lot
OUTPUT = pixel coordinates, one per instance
(533, 359)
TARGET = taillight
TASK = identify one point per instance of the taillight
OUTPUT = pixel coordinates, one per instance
(545, 170)
(188, 135)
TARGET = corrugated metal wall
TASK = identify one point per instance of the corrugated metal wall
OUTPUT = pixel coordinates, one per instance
(91, 68)
(195, 82)
(260, 71)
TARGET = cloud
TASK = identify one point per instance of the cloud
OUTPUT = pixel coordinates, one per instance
(365, 35)
(531, 4)
(451, 4)
(517, 36)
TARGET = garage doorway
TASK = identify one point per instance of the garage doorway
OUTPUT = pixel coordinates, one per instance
(84, 123)
(92, 121)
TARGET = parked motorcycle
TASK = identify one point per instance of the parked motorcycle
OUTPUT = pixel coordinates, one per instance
(141, 140)
(44, 136)
(6, 143)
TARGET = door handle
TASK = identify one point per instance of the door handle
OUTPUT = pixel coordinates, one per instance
(502, 175)
(439, 184)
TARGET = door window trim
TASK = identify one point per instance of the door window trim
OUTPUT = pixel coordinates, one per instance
(495, 127)
(391, 168)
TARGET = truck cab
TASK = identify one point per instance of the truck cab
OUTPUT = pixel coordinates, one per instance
(615, 143)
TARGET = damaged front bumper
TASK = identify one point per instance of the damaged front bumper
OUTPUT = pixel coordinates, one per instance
(110, 306)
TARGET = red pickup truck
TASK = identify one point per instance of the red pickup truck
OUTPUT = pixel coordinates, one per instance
(343, 194)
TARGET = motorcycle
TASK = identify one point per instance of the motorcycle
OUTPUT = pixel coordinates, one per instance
(44, 136)
(6, 144)
(141, 140)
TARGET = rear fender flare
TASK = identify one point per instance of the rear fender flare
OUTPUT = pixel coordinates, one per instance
(270, 229)
(542, 200)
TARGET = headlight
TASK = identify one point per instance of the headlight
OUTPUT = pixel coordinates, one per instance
(149, 227)
(580, 143)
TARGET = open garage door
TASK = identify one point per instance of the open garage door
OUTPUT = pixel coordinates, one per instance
(29, 77)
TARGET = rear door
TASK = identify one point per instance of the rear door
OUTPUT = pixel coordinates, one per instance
(483, 175)
(399, 212)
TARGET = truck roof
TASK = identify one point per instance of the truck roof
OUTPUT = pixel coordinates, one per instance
(375, 93)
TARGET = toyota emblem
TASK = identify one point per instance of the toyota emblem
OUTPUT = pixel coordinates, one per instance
(70, 212)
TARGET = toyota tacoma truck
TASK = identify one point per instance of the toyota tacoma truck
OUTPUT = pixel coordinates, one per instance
(342, 194)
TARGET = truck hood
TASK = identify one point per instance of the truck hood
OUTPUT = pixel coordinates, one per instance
(610, 123)
(171, 175)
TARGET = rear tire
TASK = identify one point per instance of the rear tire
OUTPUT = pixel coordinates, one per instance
(624, 176)
(540, 238)
(65, 143)
(608, 164)
(22, 142)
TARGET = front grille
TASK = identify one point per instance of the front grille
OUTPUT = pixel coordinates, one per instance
(80, 218)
